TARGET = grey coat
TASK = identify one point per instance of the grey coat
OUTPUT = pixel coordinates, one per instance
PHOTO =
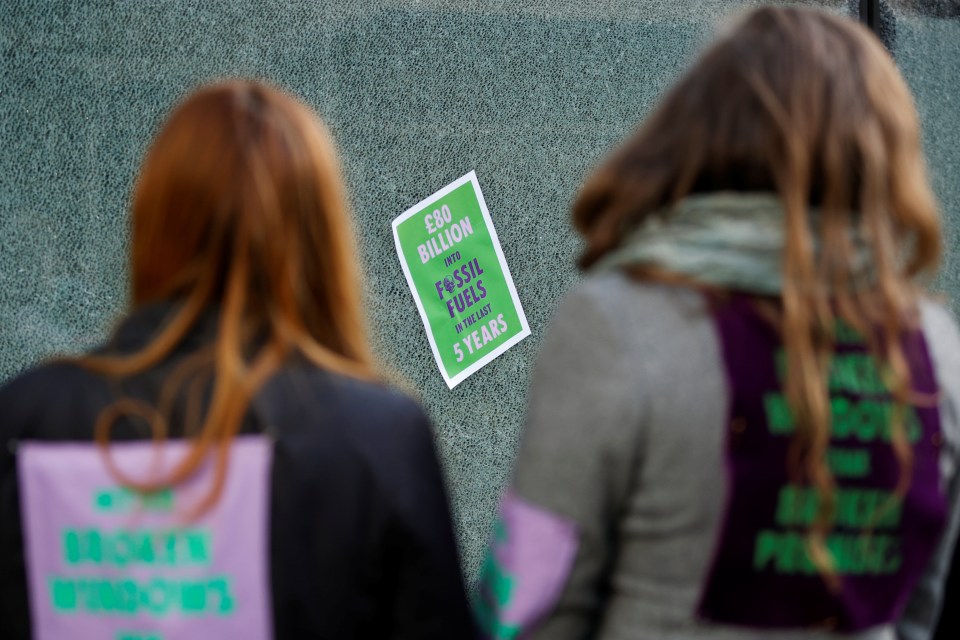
(625, 438)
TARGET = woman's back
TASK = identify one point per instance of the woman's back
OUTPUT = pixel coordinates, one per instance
(360, 542)
(735, 433)
(246, 343)
(628, 438)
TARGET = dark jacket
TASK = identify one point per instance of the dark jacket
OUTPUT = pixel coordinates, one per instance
(361, 543)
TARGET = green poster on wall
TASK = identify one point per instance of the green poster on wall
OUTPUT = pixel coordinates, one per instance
(459, 278)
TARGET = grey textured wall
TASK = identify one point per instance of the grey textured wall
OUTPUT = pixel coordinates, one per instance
(924, 36)
(530, 93)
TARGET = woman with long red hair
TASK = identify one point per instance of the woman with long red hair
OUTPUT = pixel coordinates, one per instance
(744, 422)
(237, 468)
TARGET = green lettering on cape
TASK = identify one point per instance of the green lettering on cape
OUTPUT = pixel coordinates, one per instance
(122, 547)
(848, 463)
(863, 420)
(158, 597)
(124, 499)
(858, 373)
(855, 508)
(497, 587)
(784, 552)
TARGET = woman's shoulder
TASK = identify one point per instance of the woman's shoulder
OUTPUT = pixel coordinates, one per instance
(42, 393)
(332, 427)
(371, 414)
(616, 292)
(614, 307)
(939, 323)
(42, 376)
(343, 392)
(943, 343)
(613, 285)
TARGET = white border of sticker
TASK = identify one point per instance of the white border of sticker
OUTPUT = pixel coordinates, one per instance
(524, 326)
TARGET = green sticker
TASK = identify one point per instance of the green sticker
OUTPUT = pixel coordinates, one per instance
(456, 270)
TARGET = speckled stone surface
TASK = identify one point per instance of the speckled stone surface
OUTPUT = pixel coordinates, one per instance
(929, 8)
(927, 49)
(529, 93)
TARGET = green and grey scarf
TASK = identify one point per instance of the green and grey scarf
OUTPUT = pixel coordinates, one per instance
(731, 240)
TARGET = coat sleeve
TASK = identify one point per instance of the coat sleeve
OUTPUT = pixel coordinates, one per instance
(919, 620)
(547, 567)
(430, 601)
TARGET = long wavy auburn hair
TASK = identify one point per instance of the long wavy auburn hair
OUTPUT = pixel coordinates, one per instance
(239, 209)
(811, 107)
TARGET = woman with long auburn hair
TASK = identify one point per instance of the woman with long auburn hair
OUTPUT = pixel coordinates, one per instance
(228, 464)
(744, 422)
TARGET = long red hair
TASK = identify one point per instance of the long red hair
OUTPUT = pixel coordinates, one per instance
(239, 210)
